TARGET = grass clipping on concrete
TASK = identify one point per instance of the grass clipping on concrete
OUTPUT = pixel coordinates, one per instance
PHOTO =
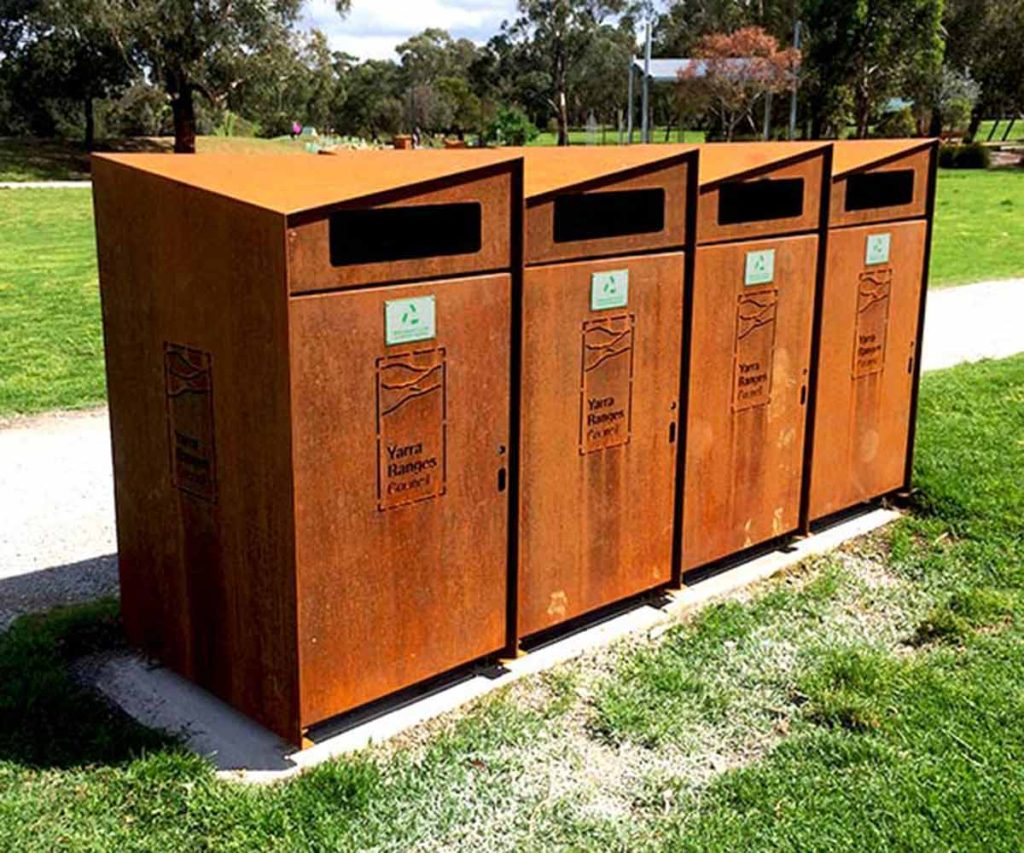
(872, 699)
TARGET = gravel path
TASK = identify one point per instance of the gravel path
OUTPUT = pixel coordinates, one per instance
(57, 542)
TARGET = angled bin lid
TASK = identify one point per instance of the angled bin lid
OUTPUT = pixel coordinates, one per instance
(880, 180)
(295, 183)
(601, 201)
(751, 190)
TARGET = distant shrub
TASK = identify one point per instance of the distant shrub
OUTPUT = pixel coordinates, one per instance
(511, 126)
(972, 155)
(897, 125)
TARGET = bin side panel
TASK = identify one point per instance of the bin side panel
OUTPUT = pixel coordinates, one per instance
(599, 398)
(865, 372)
(540, 220)
(309, 239)
(916, 163)
(809, 169)
(401, 523)
(195, 324)
(747, 390)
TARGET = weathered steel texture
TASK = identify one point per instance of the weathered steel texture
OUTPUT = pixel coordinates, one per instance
(195, 318)
(865, 369)
(401, 510)
(295, 604)
(597, 498)
(598, 447)
(871, 324)
(310, 267)
(672, 178)
(806, 166)
(893, 159)
(750, 360)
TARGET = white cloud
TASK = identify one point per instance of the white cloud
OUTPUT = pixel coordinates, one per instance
(374, 27)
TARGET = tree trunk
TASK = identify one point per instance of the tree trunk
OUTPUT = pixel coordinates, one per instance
(972, 128)
(90, 124)
(561, 101)
(184, 113)
(935, 126)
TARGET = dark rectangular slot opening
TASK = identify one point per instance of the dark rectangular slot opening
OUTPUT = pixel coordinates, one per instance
(759, 201)
(868, 190)
(383, 234)
(594, 216)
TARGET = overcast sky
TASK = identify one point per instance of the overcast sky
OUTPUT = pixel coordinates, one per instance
(374, 27)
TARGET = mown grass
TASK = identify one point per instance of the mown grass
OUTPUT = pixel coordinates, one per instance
(978, 217)
(51, 340)
(872, 700)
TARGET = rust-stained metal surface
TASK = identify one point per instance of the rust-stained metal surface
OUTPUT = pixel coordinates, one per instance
(401, 516)
(289, 184)
(725, 165)
(310, 267)
(600, 386)
(195, 317)
(870, 325)
(308, 517)
(750, 345)
(672, 178)
(746, 418)
(866, 366)
(908, 159)
(599, 417)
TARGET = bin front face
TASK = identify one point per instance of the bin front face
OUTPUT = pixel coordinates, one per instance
(895, 189)
(753, 305)
(400, 432)
(869, 327)
(599, 410)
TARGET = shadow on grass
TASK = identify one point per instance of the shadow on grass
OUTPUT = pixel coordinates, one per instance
(48, 719)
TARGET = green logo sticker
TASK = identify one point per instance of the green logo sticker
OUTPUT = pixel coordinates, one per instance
(408, 320)
(760, 268)
(877, 249)
(609, 290)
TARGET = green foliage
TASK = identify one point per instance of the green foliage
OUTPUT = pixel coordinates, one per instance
(970, 155)
(897, 125)
(511, 126)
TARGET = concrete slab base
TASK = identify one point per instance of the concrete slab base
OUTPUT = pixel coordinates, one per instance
(241, 749)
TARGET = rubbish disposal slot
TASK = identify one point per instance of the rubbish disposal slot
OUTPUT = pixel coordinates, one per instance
(383, 234)
(758, 201)
(868, 190)
(593, 216)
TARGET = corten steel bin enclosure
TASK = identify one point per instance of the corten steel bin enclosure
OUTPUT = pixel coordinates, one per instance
(601, 345)
(759, 213)
(871, 322)
(308, 364)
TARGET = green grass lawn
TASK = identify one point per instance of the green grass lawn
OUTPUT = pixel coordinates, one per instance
(50, 338)
(869, 700)
(979, 226)
(51, 342)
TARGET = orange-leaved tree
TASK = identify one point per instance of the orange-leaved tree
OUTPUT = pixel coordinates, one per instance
(731, 71)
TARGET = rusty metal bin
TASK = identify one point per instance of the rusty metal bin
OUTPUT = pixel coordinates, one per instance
(602, 317)
(308, 364)
(871, 322)
(759, 213)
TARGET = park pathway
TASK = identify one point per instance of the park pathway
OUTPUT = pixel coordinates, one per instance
(57, 541)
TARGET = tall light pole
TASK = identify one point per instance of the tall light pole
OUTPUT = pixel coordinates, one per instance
(645, 133)
(792, 94)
